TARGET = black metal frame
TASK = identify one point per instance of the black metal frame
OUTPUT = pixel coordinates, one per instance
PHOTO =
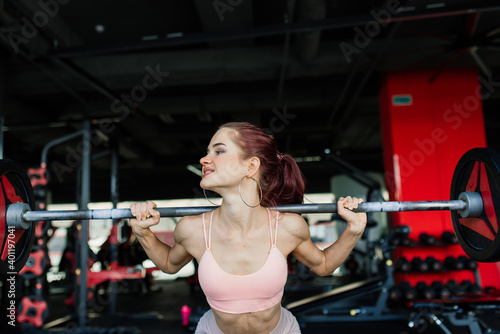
(454, 315)
(330, 307)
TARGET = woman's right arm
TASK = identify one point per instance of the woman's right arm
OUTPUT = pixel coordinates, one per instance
(166, 258)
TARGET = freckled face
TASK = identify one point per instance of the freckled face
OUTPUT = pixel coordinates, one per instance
(223, 165)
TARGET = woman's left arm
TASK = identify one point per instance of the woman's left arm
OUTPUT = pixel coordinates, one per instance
(325, 262)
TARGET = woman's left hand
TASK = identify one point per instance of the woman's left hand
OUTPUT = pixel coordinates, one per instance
(356, 221)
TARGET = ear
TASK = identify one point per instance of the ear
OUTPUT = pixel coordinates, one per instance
(253, 166)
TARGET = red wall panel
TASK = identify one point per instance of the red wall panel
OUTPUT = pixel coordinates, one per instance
(426, 128)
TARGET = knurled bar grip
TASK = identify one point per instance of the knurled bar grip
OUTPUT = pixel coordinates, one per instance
(295, 208)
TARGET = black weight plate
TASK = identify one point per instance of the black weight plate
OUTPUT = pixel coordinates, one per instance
(479, 171)
(15, 247)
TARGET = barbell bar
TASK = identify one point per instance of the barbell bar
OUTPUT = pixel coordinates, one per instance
(474, 205)
(19, 215)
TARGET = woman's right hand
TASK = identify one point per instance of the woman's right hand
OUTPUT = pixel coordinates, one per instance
(145, 217)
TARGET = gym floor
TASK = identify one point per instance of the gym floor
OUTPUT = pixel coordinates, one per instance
(159, 311)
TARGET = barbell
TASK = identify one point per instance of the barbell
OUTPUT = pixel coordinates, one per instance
(474, 204)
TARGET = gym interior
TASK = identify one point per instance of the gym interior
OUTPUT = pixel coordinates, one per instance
(104, 104)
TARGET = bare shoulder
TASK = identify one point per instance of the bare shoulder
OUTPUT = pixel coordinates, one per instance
(294, 225)
(188, 227)
(292, 231)
(189, 233)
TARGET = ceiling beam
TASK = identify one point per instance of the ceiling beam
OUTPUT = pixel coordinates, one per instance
(409, 14)
(56, 28)
(307, 42)
(224, 15)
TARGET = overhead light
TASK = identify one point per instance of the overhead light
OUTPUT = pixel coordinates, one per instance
(99, 28)
(405, 9)
(194, 170)
(174, 34)
(149, 38)
(307, 159)
(435, 5)
(166, 118)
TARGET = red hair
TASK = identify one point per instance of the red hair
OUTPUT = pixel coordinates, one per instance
(280, 177)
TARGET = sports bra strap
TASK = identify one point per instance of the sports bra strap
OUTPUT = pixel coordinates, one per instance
(204, 229)
(276, 229)
(208, 241)
(273, 242)
(210, 230)
(270, 226)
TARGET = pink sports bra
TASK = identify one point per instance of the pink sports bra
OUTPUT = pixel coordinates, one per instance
(237, 294)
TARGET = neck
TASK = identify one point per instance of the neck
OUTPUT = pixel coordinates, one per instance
(235, 213)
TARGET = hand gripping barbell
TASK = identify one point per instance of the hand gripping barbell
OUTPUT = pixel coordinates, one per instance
(474, 206)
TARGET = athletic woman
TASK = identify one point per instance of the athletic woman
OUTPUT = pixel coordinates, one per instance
(241, 247)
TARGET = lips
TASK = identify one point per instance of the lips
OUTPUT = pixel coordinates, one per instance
(207, 171)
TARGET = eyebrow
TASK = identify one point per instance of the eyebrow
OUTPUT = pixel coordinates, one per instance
(215, 145)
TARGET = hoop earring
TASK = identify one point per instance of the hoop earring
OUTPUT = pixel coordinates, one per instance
(204, 193)
(260, 188)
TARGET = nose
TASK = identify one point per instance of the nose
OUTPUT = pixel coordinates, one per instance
(205, 160)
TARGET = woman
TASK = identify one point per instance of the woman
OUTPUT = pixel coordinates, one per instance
(242, 246)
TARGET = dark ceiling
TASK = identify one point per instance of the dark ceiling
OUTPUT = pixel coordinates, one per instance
(181, 68)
